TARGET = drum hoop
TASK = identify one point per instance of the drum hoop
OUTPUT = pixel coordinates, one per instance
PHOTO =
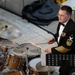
(15, 54)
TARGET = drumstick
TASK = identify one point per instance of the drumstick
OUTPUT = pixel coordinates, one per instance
(38, 46)
(16, 44)
(41, 43)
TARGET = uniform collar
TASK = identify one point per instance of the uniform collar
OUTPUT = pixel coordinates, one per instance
(65, 23)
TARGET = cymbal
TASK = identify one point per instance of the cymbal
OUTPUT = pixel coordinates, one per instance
(41, 68)
(9, 31)
(26, 49)
(25, 52)
(7, 43)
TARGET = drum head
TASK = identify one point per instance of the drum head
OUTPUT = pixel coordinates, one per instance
(33, 63)
(17, 52)
(26, 49)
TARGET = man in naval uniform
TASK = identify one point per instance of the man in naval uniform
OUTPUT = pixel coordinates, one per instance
(65, 37)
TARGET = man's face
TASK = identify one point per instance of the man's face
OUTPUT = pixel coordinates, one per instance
(63, 16)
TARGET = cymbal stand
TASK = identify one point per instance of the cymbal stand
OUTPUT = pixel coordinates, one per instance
(27, 69)
(4, 49)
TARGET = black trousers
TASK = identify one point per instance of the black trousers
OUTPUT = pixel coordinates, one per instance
(66, 70)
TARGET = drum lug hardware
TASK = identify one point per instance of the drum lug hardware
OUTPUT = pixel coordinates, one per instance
(17, 67)
(13, 61)
(19, 64)
(7, 63)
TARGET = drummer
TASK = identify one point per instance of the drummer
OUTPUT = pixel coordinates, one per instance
(65, 37)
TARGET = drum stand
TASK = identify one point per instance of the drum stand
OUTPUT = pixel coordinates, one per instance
(27, 69)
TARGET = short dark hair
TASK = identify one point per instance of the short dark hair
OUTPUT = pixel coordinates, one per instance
(68, 9)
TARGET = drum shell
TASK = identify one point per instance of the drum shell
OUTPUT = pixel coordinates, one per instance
(14, 61)
(15, 73)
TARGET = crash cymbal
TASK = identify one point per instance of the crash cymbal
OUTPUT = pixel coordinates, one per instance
(9, 31)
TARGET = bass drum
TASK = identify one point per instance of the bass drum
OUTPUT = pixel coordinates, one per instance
(37, 69)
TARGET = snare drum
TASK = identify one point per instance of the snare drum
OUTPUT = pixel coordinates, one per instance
(37, 69)
(15, 73)
(14, 60)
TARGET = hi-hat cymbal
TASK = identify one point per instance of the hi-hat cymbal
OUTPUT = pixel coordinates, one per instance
(9, 31)
(41, 68)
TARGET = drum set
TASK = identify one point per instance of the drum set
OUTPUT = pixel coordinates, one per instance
(23, 59)
(14, 58)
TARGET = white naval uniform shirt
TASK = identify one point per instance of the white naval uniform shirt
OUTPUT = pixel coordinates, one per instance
(61, 30)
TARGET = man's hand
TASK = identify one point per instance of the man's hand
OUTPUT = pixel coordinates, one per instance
(48, 50)
(51, 40)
